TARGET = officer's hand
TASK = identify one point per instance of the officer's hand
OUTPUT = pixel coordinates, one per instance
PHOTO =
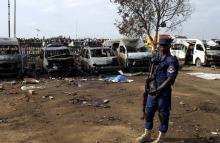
(154, 93)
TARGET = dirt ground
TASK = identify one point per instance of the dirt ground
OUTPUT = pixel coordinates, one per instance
(79, 114)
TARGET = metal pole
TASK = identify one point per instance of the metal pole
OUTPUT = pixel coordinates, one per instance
(15, 12)
(9, 23)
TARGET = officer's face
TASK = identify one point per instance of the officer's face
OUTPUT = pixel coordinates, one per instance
(165, 49)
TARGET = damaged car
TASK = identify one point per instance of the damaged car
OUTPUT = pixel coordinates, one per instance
(134, 54)
(213, 55)
(12, 60)
(57, 60)
(98, 59)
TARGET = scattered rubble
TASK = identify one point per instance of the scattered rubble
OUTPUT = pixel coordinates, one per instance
(208, 107)
(49, 97)
(3, 121)
(108, 119)
(31, 92)
(1, 87)
(214, 133)
(24, 88)
(182, 103)
(31, 81)
(70, 93)
(83, 101)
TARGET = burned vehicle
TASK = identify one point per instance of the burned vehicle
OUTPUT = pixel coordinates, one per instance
(213, 55)
(134, 54)
(57, 60)
(11, 58)
(98, 59)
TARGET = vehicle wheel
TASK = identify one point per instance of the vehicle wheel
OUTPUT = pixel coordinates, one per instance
(198, 63)
(91, 71)
(19, 74)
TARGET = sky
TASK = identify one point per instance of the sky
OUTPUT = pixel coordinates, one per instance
(95, 19)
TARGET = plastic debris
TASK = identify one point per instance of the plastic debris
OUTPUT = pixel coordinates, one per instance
(106, 101)
(31, 92)
(1, 87)
(24, 88)
(118, 79)
(51, 98)
(207, 76)
(182, 103)
(214, 133)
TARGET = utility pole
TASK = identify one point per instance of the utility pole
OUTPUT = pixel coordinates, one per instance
(9, 22)
(15, 12)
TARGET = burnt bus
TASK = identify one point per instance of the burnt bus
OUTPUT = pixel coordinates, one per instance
(11, 58)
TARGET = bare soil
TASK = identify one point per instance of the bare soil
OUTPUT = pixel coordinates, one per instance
(78, 114)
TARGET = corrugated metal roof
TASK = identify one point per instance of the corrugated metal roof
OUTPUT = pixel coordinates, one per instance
(9, 41)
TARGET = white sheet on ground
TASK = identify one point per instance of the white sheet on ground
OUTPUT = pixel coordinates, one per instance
(207, 76)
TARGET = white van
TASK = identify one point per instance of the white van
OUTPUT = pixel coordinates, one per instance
(179, 49)
(201, 52)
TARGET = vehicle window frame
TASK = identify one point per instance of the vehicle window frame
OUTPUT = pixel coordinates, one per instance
(199, 47)
(87, 54)
(122, 51)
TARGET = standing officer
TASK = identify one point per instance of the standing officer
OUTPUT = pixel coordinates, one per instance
(159, 96)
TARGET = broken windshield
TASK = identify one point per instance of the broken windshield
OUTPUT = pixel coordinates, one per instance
(135, 50)
(102, 53)
(55, 53)
(9, 50)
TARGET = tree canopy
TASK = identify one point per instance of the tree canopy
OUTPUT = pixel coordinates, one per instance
(141, 18)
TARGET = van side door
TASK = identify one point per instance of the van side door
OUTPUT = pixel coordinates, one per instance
(122, 55)
(199, 53)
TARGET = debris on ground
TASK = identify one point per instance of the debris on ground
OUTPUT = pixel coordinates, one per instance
(69, 79)
(3, 121)
(182, 103)
(13, 92)
(129, 74)
(31, 92)
(117, 79)
(214, 133)
(31, 81)
(24, 88)
(51, 98)
(108, 119)
(208, 107)
(1, 87)
(70, 93)
(83, 101)
(207, 76)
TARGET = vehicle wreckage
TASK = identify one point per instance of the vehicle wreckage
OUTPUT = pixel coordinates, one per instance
(98, 59)
(12, 60)
(57, 60)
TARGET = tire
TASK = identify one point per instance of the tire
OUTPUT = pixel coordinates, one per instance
(20, 74)
(198, 63)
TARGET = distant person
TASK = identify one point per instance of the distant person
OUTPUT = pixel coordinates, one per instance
(159, 94)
